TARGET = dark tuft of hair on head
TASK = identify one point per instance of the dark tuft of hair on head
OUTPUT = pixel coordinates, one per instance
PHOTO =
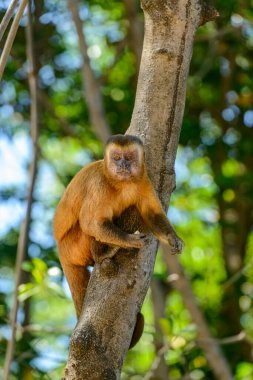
(124, 140)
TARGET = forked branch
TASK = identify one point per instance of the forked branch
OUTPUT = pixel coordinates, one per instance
(11, 36)
(8, 15)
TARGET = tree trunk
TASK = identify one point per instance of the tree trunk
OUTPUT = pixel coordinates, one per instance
(102, 336)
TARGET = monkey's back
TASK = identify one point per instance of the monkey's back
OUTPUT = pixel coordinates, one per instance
(79, 189)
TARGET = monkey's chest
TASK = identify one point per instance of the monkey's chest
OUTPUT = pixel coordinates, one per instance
(122, 201)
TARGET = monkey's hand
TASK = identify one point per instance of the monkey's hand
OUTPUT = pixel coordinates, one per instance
(176, 244)
(138, 240)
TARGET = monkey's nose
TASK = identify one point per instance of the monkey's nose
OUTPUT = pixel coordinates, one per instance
(125, 165)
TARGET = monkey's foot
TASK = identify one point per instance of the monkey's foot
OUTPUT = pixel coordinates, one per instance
(99, 257)
(176, 244)
(109, 268)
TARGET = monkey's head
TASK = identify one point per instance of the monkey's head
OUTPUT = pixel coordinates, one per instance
(124, 158)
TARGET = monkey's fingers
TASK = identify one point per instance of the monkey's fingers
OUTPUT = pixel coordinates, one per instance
(145, 238)
(139, 240)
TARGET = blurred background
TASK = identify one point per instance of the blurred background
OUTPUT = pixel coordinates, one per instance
(87, 75)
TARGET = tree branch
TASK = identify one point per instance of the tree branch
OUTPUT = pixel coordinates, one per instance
(205, 340)
(151, 374)
(91, 88)
(237, 275)
(11, 36)
(24, 231)
(135, 29)
(8, 15)
(233, 339)
(159, 291)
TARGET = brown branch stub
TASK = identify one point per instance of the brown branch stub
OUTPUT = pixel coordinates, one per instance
(208, 13)
(160, 9)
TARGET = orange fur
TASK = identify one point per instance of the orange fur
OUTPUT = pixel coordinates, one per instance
(89, 205)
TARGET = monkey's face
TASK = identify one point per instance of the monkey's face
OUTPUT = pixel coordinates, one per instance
(124, 163)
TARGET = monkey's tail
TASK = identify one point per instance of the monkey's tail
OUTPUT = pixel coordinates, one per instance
(138, 330)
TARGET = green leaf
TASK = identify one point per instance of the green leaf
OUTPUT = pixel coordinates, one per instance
(40, 270)
(26, 291)
(165, 326)
(244, 371)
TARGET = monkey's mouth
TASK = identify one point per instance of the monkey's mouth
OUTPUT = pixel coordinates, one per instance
(124, 174)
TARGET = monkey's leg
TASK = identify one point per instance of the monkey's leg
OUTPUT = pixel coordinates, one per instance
(74, 254)
(101, 253)
(78, 278)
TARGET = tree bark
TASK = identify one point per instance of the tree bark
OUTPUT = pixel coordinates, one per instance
(102, 336)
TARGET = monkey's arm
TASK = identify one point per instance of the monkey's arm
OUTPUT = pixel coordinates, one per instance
(105, 231)
(155, 218)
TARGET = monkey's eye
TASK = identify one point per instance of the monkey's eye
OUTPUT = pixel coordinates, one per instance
(129, 156)
(116, 157)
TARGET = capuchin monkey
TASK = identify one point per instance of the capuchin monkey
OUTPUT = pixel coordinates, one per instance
(96, 196)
